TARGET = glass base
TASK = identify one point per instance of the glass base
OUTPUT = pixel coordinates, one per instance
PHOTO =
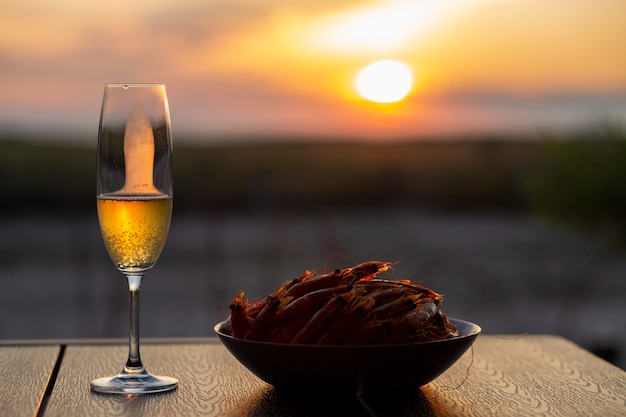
(143, 383)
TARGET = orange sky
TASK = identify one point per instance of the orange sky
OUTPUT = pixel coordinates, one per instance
(249, 67)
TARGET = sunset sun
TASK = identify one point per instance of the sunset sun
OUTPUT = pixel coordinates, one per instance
(384, 81)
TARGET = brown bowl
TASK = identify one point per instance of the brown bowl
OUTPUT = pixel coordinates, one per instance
(354, 368)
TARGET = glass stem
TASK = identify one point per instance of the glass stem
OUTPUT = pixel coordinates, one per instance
(133, 364)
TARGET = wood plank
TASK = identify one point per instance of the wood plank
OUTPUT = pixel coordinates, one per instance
(526, 375)
(211, 381)
(24, 373)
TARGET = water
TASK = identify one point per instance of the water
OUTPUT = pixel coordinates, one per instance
(510, 274)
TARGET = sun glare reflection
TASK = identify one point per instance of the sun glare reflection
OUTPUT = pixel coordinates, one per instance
(384, 26)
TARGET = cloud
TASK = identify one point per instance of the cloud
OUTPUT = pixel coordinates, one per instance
(271, 66)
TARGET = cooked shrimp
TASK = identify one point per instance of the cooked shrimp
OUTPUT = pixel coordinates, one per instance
(346, 306)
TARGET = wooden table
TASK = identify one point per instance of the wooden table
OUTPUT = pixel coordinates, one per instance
(502, 376)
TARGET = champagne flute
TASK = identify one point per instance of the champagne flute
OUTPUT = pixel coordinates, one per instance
(134, 201)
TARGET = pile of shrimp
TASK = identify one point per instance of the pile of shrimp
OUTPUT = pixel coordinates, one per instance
(345, 307)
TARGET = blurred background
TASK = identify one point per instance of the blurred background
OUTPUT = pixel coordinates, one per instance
(495, 171)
